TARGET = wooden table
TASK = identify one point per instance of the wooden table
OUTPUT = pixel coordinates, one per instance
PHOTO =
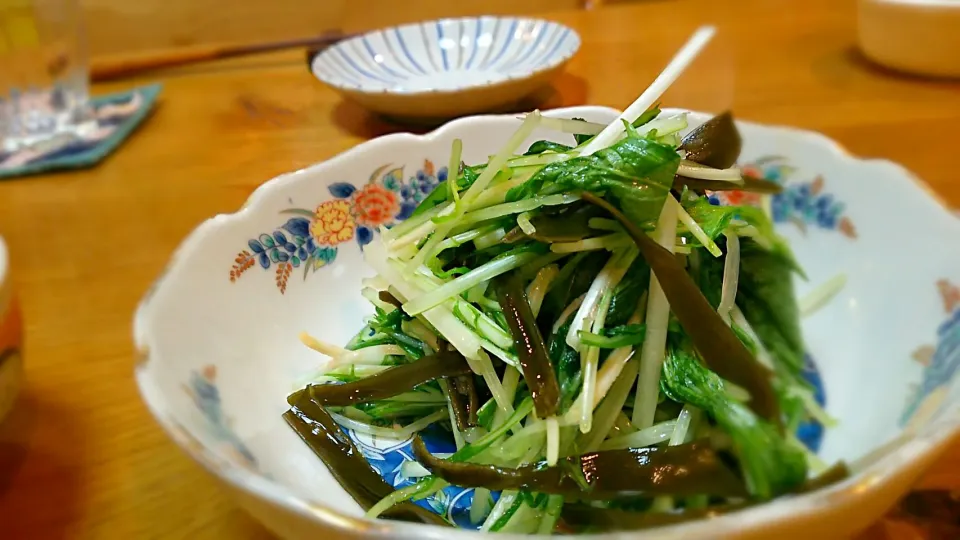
(82, 458)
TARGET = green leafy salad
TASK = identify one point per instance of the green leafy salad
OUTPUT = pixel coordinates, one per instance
(606, 349)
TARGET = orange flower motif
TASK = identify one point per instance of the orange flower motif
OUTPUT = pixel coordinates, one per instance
(332, 223)
(950, 294)
(742, 198)
(846, 227)
(375, 205)
(751, 171)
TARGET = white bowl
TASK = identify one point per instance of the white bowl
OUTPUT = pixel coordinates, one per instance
(219, 351)
(915, 36)
(449, 67)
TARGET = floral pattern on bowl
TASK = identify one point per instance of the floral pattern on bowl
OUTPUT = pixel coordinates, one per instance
(387, 457)
(356, 212)
(202, 389)
(940, 362)
(802, 203)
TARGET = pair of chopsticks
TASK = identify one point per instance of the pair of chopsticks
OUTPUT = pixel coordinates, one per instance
(115, 68)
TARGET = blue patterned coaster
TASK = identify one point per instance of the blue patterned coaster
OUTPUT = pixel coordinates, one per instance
(117, 115)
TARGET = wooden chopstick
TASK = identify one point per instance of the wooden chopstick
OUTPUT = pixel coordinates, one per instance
(113, 68)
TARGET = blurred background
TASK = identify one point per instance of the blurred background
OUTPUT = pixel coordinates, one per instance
(120, 27)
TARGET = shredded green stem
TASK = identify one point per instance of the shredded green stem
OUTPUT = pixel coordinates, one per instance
(419, 304)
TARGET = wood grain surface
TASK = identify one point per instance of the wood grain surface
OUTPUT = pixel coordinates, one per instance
(82, 458)
(122, 27)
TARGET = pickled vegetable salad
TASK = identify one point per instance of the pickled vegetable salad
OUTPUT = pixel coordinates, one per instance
(605, 347)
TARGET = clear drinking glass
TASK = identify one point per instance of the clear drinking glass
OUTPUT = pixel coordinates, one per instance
(43, 71)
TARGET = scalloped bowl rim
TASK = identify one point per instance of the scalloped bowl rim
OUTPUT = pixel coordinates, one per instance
(538, 70)
(884, 464)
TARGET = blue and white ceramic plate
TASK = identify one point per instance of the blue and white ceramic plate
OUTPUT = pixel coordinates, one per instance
(448, 67)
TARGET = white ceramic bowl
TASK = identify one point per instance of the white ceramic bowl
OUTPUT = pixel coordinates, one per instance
(449, 67)
(219, 351)
(915, 36)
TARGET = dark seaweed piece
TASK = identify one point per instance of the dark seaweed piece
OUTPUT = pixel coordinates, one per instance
(683, 470)
(723, 352)
(531, 350)
(715, 143)
(751, 184)
(569, 226)
(387, 383)
(565, 227)
(347, 464)
(838, 472)
(465, 401)
(584, 518)
(389, 298)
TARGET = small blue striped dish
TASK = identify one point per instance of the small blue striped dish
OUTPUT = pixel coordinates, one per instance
(448, 67)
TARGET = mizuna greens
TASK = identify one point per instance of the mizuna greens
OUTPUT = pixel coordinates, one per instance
(605, 347)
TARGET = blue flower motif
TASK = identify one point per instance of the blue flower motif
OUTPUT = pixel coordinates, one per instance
(827, 218)
(391, 182)
(801, 197)
(824, 201)
(780, 207)
(298, 226)
(442, 174)
(203, 390)
(342, 190)
(207, 397)
(810, 433)
(324, 255)
(364, 235)
(406, 210)
(946, 358)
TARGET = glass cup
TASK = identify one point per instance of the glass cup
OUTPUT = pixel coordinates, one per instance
(43, 71)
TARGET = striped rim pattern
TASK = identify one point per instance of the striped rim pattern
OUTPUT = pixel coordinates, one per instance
(446, 55)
